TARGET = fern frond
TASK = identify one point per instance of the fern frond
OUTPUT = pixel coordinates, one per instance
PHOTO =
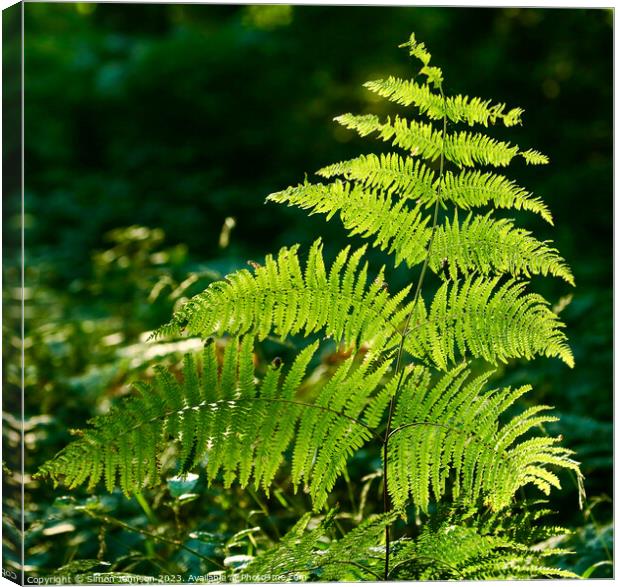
(521, 522)
(453, 427)
(460, 542)
(469, 149)
(279, 297)
(416, 49)
(454, 551)
(463, 148)
(451, 547)
(470, 189)
(471, 316)
(484, 245)
(368, 212)
(410, 179)
(533, 157)
(455, 108)
(244, 428)
(447, 436)
(327, 438)
(419, 138)
(478, 244)
(406, 177)
(294, 558)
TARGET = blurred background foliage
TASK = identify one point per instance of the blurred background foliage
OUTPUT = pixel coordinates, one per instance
(154, 132)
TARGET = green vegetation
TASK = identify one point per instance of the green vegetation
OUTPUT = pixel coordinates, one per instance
(282, 419)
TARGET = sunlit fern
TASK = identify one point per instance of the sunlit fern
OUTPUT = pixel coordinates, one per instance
(411, 392)
(222, 418)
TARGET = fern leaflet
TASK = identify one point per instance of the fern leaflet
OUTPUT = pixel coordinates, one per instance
(455, 551)
(473, 317)
(368, 212)
(456, 108)
(280, 298)
(462, 148)
(409, 178)
(479, 244)
(454, 426)
(243, 428)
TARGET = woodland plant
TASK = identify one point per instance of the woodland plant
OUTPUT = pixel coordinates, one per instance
(416, 376)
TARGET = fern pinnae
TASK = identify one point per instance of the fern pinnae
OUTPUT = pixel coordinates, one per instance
(454, 550)
(260, 304)
(490, 320)
(456, 108)
(402, 176)
(484, 245)
(206, 425)
(368, 212)
(473, 188)
(410, 178)
(533, 157)
(464, 148)
(485, 456)
(275, 432)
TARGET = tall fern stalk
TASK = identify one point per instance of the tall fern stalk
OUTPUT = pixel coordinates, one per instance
(387, 506)
(417, 377)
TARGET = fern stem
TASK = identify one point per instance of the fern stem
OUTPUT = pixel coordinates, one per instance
(264, 509)
(206, 404)
(150, 516)
(387, 505)
(588, 514)
(159, 538)
(146, 508)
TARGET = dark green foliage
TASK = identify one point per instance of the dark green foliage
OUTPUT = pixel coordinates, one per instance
(453, 545)
(464, 548)
(306, 554)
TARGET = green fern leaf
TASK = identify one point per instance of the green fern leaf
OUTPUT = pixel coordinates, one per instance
(305, 554)
(473, 317)
(417, 49)
(460, 542)
(455, 108)
(368, 212)
(470, 189)
(409, 178)
(487, 246)
(533, 157)
(242, 428)
(458, 552)
(454, 426)
(470, 149)
(404, 176)
(280, 298)
(421, 139)
(479, 244)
